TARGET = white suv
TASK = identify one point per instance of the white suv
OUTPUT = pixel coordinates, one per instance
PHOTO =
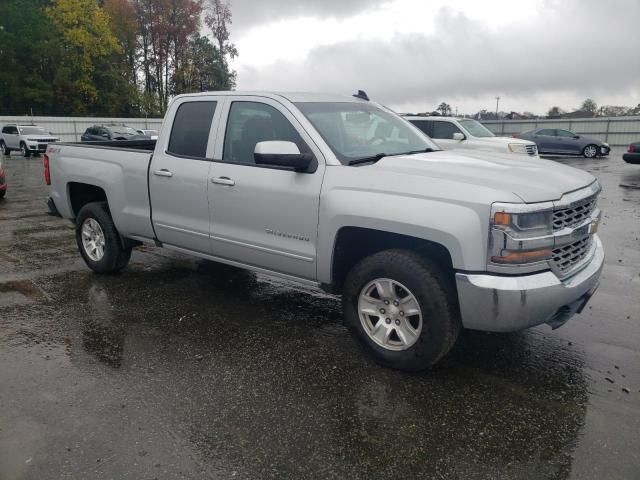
(29, 139)
(451, 133)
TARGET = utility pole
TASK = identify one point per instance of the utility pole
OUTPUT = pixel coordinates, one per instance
(497, 103)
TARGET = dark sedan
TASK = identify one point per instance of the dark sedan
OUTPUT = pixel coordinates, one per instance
(633, 154)
(99, 133)
(564, 142)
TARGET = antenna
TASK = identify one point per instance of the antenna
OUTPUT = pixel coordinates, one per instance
(362, 94)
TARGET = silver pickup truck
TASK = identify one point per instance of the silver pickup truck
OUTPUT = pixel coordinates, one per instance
(342, 193)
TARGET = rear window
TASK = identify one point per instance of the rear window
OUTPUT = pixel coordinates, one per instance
(190, 131)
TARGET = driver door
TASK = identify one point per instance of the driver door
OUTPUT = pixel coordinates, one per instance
(260, 215)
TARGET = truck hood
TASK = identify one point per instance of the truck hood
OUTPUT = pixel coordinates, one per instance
(501, 140)
(531, 179)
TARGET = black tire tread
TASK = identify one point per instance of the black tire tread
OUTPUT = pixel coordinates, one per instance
(424, 272)
(116, 256)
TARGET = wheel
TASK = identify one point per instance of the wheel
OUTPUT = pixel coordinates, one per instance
(590, 151)
(98, 240)
(403, 308)
(25, 151)
(5, 150)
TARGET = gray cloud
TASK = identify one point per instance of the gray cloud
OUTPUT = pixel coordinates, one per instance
(250, 13)
(583, 47)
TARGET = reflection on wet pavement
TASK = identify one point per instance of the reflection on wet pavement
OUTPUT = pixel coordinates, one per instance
(184, 369)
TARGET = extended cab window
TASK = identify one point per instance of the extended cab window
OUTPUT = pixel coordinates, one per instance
(444, 130)
(253, 122)
(190, 130)
(425, 125)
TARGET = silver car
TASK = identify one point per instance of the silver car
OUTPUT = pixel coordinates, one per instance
(28, 139)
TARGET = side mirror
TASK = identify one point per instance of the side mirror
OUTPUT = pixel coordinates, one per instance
(281, 154)
(458, 136)
(105, 135)
(576, 137)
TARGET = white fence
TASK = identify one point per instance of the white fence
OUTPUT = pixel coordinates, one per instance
(616, 131)
(69, 129)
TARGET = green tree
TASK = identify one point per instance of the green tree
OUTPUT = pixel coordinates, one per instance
(218, 19)
(444, 108)
(27, 58)
(87, 46)
(589, 105)
(203, 68)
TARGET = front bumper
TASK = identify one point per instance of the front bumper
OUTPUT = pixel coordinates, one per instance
(604, 150)
(509, 303)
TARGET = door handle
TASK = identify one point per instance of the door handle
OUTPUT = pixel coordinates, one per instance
(163, 173)
(223, 181)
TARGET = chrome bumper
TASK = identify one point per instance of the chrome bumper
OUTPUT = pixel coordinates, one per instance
(503, 304)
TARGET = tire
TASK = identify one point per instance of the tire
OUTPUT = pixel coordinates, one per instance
(436, 327)
(2, 193)
(113, 256)
(590, 151)
(25, 151)
(5, 150)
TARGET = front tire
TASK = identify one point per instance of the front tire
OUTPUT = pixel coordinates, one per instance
(590, 151)
(25, 151)
(4, 149)
(98, 240)
(403, 308)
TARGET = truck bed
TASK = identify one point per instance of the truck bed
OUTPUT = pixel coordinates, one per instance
(145, 145)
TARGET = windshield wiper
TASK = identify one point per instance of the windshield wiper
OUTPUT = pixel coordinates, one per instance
(373, 158)
(424, 150)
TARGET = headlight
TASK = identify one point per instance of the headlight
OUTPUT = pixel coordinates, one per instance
(518, 147)
(521, 234)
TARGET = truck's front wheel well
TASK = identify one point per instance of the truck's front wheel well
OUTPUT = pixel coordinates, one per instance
(355, 243)
(82, 193)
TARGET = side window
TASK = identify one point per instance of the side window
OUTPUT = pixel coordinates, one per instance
(190, 130)
(444, 130)
(564, 133)
(5, 129)
(547, 133)
(253, 122)
(425, 125)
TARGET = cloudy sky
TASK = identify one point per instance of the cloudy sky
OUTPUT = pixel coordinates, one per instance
(413, 54)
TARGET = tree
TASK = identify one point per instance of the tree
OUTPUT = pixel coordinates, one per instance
(202, 69)
(444, 108)
(555, 112)
(85, 41)
(613, 111)
(218, 20)
(589, 106)
(28, 57)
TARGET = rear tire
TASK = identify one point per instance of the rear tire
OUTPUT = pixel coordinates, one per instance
(410, 282)
(4, 149)
(25, 151)
(98, 240)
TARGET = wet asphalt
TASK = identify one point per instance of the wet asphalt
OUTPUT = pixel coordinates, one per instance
(177, 368)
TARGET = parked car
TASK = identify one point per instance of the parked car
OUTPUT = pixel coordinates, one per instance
(632, 154)
(341, 193)
(149, 133)
(564, 142)
(29, 139)
(3, 181)
(100, 133)
(466, 133)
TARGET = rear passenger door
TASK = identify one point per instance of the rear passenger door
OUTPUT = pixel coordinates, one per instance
(263, 216)
(179, 175)
(546, 140)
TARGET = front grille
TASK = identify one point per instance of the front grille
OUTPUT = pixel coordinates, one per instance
(574, 214)
(532, 150)
(565, 258)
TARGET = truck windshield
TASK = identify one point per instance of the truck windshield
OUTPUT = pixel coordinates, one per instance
(355, 130)
(475, 129)
(32, 131)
